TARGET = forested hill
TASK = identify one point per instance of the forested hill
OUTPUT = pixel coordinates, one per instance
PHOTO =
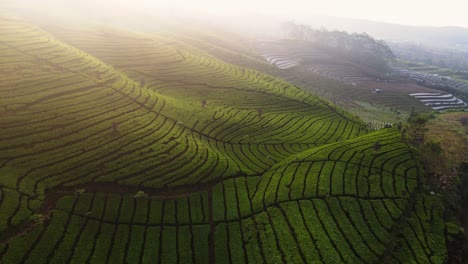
(360, 48)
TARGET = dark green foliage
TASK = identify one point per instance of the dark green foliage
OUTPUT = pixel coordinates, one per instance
(431, 155)
(20, 246)
(135, 244)
(421, 233)
(152, 245)
(103, 243)
(415, 129)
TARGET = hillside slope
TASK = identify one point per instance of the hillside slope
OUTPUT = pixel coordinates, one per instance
(238, 166)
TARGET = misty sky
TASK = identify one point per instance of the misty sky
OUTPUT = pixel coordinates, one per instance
(409, 12)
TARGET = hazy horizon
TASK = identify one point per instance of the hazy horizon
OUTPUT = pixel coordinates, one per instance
(412, 13)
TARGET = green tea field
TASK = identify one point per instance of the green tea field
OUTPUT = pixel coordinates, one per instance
(128, 147)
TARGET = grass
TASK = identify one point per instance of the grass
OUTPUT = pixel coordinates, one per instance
(377, 115)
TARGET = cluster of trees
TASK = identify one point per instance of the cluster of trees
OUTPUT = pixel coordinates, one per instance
(437, 168)
(415, 129)
(359, 48)
(430, 152)
(435, 165)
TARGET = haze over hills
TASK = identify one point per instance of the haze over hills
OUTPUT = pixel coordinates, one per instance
(248, 20)
(444, 37)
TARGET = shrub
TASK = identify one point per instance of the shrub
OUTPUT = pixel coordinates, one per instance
(79, 190)
(37, 218)
(140, 194)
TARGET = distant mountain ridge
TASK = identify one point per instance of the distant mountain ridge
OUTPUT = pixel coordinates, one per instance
(437, 36)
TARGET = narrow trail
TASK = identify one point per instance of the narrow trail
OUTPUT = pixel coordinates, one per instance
(166, 193)
(47, 207)
(53, 195)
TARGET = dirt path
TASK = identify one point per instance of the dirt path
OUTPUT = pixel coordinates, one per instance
(47, 207)
(53, 195)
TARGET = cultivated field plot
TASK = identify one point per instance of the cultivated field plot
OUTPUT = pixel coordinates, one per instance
(457, 80)
(344, 83)
(287, 54)
(439, 101)
(232, 165)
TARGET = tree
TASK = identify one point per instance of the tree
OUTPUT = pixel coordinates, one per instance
(431, 155)
(415, 129)
(377, 146)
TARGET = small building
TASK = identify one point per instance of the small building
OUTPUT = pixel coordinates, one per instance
(375, 91)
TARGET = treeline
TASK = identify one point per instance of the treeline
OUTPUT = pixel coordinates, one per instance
(358, 48)
(446, 177)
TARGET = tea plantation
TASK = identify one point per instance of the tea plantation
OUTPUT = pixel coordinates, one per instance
(230, 165)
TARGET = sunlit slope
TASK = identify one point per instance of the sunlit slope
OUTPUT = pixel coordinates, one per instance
(245, 97)
(314, 213)
(140, 113)
(375, 165)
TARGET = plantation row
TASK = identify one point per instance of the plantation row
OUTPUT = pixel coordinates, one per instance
(389, 98)
(281, 61)
(375, 165)
(421, 235)
(77, 238)
(249, 218)
(345, 73)
(15, 207)
(70, 238)
(225, 90)
(193, 69)
(334, 230)
(376, 125)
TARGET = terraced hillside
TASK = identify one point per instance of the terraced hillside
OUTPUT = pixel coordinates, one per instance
(457, 80)
(345, 83)
(232, 165)
(438, 101)
(286, 54)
